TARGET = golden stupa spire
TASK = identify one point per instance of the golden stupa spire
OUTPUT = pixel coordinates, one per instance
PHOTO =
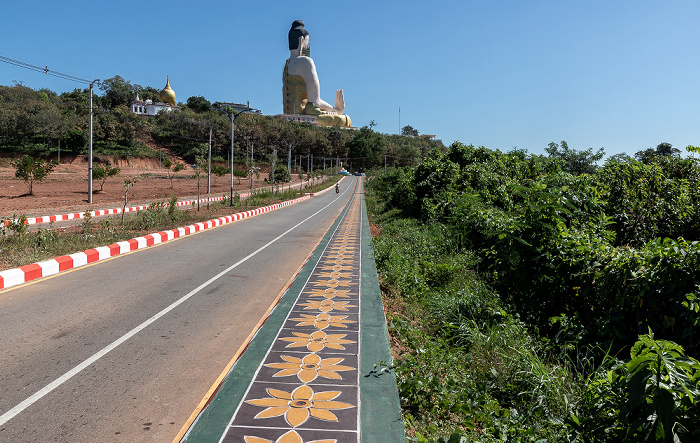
(167, 95)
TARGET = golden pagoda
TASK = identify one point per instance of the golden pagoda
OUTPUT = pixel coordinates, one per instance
(167, 95)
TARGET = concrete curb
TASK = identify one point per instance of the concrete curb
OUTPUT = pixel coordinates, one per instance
(379, 393)
(24, 274)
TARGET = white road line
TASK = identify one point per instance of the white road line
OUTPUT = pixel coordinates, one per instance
(7, 416)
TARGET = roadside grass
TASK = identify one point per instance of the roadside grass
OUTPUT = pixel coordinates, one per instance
(466, 367)
(19, 247)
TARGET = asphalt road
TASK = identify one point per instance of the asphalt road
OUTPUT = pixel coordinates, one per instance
(125, 349)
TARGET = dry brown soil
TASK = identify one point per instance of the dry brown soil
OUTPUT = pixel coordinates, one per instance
(66, 189)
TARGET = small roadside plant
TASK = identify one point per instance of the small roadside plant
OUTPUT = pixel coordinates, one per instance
(152, 217)
(199, 166)
(282, 174)
(128, 184)
(175, 169)
(32, 170)
(220, 171)
(18, 225)
(102, 173)
(238, 173)
(172, 207)
(87, 224)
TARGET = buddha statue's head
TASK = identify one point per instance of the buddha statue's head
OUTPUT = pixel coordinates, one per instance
(299, 38)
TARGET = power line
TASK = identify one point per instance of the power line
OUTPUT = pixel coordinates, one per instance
(44, 70)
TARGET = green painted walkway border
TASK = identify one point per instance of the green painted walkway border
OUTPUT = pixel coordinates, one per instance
(380, 414)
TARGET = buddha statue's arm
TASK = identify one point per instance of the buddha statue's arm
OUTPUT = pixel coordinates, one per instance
(306, 67)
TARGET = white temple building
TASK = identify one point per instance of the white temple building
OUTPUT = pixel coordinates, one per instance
(168, 103)
(147, 107)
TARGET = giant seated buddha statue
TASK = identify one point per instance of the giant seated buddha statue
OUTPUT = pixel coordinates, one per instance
(301, 88)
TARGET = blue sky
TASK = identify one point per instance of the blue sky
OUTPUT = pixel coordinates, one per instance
(622, 75)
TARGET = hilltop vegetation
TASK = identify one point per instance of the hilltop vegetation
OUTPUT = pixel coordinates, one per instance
(544, 298)
(34, 122)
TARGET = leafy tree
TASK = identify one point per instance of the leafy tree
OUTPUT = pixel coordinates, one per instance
(32, 169)
(8, 125)
(573, 161)
(75, 139)
(219, 170)
(666, 149)
(102, 173)
(693, 149)
(366, 147)
(185, 131)
(649, 155)
(619, 158)
(118, 92)
(282, 174)
(241, 173)
(78, 98)
(409, 131)
(198, 104)
(48, 122)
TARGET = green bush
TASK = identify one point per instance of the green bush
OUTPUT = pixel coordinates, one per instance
(652, 397)
(646, 201)
(32, 170)
(538, 275)
(102, 173)
(282, 174)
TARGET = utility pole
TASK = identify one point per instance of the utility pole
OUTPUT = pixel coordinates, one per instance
(233, 116)
(289, 166)
(247, 156)
(252, 167)
(90, 147)
(209, 166)
(272, 169)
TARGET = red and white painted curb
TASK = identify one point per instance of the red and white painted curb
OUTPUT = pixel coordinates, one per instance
(13, 277)
(99, 212)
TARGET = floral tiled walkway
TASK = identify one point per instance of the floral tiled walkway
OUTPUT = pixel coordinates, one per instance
(307, 388)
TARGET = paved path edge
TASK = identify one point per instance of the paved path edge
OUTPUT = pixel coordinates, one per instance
(380, 415)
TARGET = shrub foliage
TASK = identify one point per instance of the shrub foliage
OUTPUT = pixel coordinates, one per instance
(588, 260)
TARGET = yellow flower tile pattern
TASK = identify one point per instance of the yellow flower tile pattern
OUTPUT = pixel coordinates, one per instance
(307, 388)
(309, 367)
